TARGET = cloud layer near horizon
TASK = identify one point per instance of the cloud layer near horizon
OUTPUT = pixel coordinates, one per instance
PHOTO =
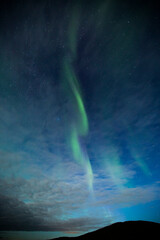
(47, 202)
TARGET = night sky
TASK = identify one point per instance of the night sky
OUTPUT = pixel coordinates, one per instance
(79, 115)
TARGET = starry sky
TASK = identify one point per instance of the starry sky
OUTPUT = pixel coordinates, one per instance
(79, 115)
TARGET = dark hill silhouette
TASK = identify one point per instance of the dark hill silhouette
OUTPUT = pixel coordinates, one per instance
(122, 230)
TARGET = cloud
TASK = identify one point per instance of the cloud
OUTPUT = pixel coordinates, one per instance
(64, 203)
(15, 215)
(129, 197)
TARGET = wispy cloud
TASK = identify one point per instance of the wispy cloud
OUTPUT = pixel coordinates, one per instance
(64, 203)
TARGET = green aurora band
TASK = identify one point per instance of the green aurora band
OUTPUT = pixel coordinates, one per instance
(79, 125)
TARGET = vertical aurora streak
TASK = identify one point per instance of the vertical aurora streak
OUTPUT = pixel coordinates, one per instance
(135, 154)
(79, 125)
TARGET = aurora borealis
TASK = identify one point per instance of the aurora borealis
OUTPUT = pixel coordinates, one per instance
(79, 116)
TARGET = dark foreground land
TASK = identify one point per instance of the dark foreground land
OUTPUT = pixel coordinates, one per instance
(123, 230)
